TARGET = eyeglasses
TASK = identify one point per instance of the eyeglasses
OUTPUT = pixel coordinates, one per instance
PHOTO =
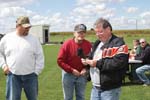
(99, 31)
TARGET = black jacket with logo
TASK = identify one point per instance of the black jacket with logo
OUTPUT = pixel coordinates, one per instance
(113, 64)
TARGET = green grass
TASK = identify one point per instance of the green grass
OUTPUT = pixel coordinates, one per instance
(50, 79)
(135, 92)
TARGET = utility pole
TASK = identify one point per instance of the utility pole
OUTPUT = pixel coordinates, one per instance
(136, 24)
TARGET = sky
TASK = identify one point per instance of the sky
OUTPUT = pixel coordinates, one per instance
(63, 15)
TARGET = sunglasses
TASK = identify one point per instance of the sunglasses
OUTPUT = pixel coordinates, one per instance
(142, 42)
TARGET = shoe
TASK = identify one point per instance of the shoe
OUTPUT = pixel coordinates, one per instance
(146, 85)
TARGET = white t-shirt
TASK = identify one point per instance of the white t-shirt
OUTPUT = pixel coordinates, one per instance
(94, 72)
(22, 54)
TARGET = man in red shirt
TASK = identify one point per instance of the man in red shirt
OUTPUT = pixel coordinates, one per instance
(69, 59)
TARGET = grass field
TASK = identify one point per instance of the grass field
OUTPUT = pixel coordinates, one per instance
(50, 79)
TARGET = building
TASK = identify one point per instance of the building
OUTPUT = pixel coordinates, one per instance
(41, 32)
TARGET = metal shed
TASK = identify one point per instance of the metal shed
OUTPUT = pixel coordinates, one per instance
(41, 32)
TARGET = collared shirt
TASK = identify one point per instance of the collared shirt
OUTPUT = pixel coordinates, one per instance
(22, 54)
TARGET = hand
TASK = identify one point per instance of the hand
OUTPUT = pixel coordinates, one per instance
(92, 63)
(83, 71)
(84, 61)
(6, 70)
(75, 72)
(132, 56)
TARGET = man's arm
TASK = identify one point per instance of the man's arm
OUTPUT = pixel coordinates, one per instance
(39, 59)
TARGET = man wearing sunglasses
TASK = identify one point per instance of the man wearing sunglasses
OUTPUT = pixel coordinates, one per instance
(145, 57)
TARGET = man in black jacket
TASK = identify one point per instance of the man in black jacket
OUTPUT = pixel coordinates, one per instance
(108, 60)
(145, 57)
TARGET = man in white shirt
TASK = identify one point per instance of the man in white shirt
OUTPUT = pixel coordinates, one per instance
(21, 58)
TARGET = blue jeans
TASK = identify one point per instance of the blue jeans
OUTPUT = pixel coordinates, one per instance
(73, 83)
(98, 94)
(141, 73)
(15, 83)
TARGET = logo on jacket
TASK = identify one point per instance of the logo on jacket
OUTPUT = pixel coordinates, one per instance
(110, 52)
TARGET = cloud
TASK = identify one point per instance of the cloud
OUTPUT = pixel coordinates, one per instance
(145, 14)
(117, 0)
(83, 2)
(132, 10)
(56, 21)
(84, 11)
(80, 14)
(145, 19)
(14, 11)
(11, 3)
(125, 22)
(8, 17)
(88, 10)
